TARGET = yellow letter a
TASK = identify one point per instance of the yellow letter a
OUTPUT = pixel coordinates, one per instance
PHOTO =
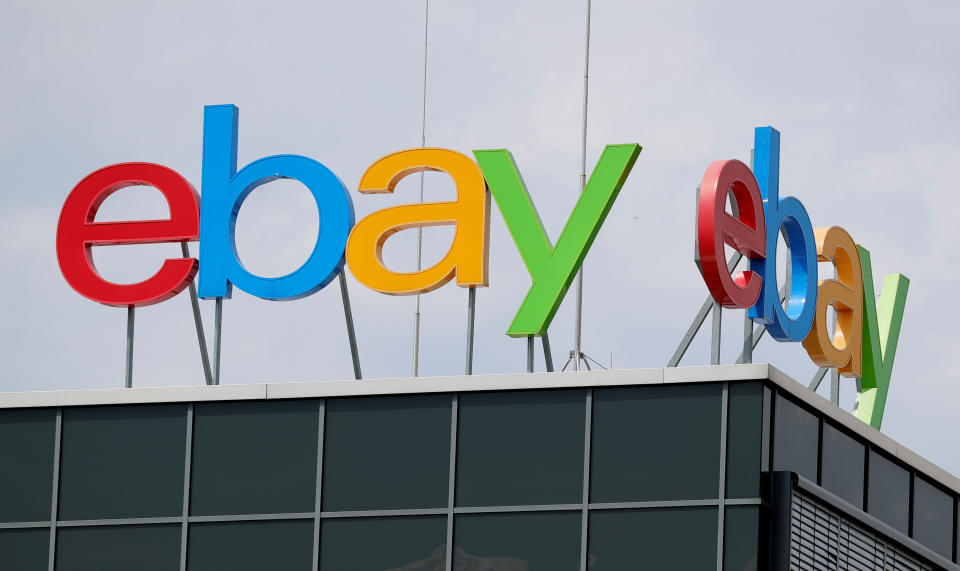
(470, 214)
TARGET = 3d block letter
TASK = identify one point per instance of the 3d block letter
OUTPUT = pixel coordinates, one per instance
(845, 294)
(881, 327)
(552, 267)
(224, 190)
(745, 231)
(77, 233)
(467, 258)
(788, 213)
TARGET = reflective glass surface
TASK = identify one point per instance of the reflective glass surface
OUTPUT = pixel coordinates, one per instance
(546, 541)
(888, 492)
(386, 452)
(627, 540)
(795, 435)
(520, 447)
(744, 432)
(933, 517)
(254, 457)
(251, 546)
(655, 443)
(122, 461)
(26, 444)
(119, 548)
(842, 465)
(410, 543)
(25, 549)
(741, 538)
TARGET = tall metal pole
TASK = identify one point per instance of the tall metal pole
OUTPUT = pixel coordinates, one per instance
(577, 329)
(217, 335)
(198, 323)
(423, 143)
(128, 376)
(471, 312)
(351, 332)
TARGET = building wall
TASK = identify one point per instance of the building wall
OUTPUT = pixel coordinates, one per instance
(663, 476)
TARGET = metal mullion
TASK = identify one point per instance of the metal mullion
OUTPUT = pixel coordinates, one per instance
(119, 521)
(382, 513)
(187, 467)
(452, 478)
(743, 501)
(722, 488)
(585, 504)
(654, 504)
(24, 524)
(319, 484)
(55, 499)
(249, 517)
(522, 508)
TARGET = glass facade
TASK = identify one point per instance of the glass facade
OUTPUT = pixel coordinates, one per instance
(605, 479)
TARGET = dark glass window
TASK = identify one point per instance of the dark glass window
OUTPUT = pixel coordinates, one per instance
(655, 443)
(386, 452)
(520, 448)
(254, 457)
(25, 549)
(378, 543)
(744, 433)
(122, 461)
(26, 441)
(888, 492)
(119, 548)
(795, 435)
(741, 538)
(544, 541)
(279, 545)
(933, 517)
(841, 466)
(669, 538)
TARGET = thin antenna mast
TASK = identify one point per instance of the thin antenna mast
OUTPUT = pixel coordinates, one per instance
(577, 354)
(423, 143)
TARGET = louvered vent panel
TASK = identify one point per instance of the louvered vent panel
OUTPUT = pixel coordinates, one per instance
(822, 539)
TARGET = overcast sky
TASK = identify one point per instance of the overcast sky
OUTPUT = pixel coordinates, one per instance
(864, 94)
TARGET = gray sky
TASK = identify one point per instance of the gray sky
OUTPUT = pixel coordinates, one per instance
(864, 94)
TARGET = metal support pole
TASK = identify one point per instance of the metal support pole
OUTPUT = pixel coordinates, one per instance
(835, 387)
(577, 329)
(198, 323)
(217, 335)
(128, 377)
(715, 334)
(529, 353)
(817, 379)
(747, 338)
(351, 333)
(423, 143)
(547, 354)
(471, 312)
(698, 320)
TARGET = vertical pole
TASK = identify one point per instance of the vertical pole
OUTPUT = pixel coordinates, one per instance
(715, 334)
(471, 312)
(585, 509)
(128, 376)
(451, 481)
(198, 323)
(55, 498)
(351, 333)
(423, 143)
(185, 510)
(747, 322)
(529, 353)
(577, 329)
(547, 353)
(747, 337)
(217, 336)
